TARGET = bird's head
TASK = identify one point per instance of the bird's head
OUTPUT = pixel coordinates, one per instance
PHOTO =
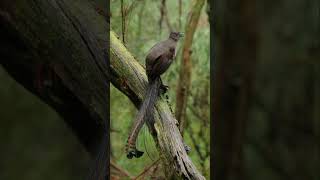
(176, 35)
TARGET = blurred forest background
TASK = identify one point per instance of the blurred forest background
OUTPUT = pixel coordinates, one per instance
(140, 24)
(266, 84)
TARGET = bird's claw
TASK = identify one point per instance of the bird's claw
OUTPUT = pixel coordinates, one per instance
(187, 148)
(164, 88)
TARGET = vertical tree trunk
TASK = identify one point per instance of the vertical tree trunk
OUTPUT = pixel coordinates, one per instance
(234, 73)
(186, 66)
(180, 13)
(316, 119)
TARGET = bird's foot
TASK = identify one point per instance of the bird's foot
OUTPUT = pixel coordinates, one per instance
(187, 148)
(164, 88)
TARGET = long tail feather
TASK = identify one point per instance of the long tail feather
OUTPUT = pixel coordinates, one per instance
(145, 110)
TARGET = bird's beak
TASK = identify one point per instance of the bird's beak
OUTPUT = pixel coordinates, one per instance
(181, 34)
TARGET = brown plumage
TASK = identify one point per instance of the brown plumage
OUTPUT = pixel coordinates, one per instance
(158, 60)
(160, 56)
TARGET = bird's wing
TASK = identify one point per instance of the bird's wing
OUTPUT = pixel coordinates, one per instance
(154, 54)
(156, 51)
(161, 65)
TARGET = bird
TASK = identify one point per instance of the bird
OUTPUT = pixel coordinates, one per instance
(158, 60)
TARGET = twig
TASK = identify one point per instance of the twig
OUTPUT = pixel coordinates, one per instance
(123, 24)
(131, 7)
(194, 141)
(162, 6)
(114, 130)
(202, 156)
(180, 13)
(194, 112)
(142, 174)
(120, 170)
(164, 16)
(167, 19)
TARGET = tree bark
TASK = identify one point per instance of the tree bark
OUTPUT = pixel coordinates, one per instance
(184, 82)
(233, 79)
(57, 51)
(69, 39)
(130, 78)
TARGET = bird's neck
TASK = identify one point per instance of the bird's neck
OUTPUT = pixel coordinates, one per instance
(173, 39)
(173, 42)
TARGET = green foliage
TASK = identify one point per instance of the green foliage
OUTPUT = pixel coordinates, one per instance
(142, 32)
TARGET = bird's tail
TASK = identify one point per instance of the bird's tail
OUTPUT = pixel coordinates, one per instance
(145, 113)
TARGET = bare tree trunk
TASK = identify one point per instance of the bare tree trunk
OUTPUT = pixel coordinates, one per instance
(234, 73)
(184, 82)
(180, 13)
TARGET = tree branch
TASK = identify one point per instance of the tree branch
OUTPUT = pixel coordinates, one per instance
(70, 39)
(184, 82)
(129, 77)
(118, 171)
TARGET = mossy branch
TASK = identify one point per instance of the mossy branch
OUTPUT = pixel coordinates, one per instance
(129, 77)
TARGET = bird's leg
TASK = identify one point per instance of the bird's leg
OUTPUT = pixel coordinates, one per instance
(186, 147)
(163, 88)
